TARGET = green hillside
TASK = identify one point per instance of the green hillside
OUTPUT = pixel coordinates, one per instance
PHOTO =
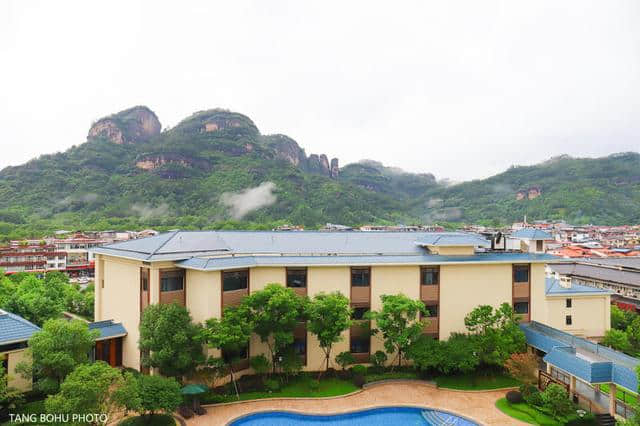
(216, 170)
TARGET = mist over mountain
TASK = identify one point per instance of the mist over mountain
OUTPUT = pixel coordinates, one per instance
(215, 169)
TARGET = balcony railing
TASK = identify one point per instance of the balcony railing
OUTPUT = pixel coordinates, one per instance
(233, 297)
(361, 358)
(432, 326)
(168, 297)
(360, 328)
(300, 291)
(429, 293)
(521, 290)
(360, 295)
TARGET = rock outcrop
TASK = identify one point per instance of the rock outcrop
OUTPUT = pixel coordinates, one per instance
(133, 125)
(529, 193)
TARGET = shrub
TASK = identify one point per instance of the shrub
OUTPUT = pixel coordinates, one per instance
(359, 370)
(272, 385)
(314, 385)
(557, 401)
(523, 366)
(378, 359)
(531, 395)
(345, 359)
(260, 364)
(359, 380)
(514, 397)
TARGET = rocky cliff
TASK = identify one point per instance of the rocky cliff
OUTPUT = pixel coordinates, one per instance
(133, 125)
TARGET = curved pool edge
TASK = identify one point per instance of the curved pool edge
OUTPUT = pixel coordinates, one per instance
(363, 409)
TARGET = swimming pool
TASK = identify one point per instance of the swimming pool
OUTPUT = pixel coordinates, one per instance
(387, 416)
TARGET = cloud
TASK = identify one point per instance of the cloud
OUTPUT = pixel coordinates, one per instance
(244, 202)
(146, 211)
(89, 197)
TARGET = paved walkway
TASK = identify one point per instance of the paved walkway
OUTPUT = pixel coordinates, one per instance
(478, 406)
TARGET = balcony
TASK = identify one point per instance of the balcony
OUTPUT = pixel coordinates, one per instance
(520, 291)
(233, 297)
(429, 293)
(361, 358)
(360, 328)
(360, 296)
(168, 297)
(432, 327)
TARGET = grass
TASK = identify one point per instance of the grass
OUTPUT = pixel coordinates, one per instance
(155, 420)
(389, 375)
(475, 381)
(298, 387)
(525, 413)
(623, 395)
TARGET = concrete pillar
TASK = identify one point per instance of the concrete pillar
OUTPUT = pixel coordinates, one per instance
(572, 385)
(548, 368)
(597, 388)
(613, 390)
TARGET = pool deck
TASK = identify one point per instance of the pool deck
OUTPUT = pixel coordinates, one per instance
(476, 406)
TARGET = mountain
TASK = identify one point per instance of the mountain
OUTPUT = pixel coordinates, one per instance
(215, 169)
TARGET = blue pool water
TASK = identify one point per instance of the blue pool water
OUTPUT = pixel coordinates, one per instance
(388, 416)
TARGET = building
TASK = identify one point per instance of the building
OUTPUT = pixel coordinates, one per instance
(32, 257)
(15, 332)
(80, 261)
(451, 273)
(619, 275)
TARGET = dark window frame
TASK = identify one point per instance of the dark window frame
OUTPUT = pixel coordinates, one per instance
(520, 304)
(292, 272)
(432, 311)
(568, 303)
(431, 271)
(568, 320)
(356, 339)
(166, 275)
(238, 271)
(356, 310)
(526, 267)
(363, 271)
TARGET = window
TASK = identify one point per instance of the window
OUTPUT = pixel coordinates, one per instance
(539, 245)
(567, 320)
(521, 273)
(300, 346)
(358, 313)
(430, 275)
(360, 277)
(172, 280)
(297, 277)
(235, 280)
(568, 303)
(360, 345)
(521, 307)
(432, 311)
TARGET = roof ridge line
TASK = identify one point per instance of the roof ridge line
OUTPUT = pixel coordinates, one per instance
(163, 244)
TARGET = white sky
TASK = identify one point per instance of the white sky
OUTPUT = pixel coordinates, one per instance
(462, 89)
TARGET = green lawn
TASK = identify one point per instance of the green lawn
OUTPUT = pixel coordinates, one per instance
(525, 413)
(297, 387)
(155, 420)
(475, 381)
(626, 396)
(390, 375)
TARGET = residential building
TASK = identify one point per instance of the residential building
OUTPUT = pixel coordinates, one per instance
(451, 273)
(15, 332)
(32, 257)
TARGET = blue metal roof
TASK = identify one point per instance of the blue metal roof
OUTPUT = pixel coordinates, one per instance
(14, 328)
(181, 245)
(453, 239)
(553, 287)
(586, 360)
(230, 262)
(108, 329)
(531, 234)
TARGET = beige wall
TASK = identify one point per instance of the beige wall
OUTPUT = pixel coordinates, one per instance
(463, 287)
(590, 315)
(203, 295)
(16, 380)
(260, 277)
(120, 300)
(538, 307)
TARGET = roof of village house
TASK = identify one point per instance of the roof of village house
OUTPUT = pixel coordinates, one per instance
(14, 328)
(553, 288)
(598, 272)
(334, 247)
(531, 234)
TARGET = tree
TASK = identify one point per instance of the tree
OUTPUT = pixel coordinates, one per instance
(169, 340)
(276, 311)
(56, 351)
(426, 353)
(459, 354)
(329, 315)
(557, 401)
(94, 388)
(399, 323)
(33, 299)
(230, 334)
(617, 339)
(523, 366)
(345, 359)
(496, 333)
(9, 396)
(260, 364)
(621, 318)
(158, 394)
